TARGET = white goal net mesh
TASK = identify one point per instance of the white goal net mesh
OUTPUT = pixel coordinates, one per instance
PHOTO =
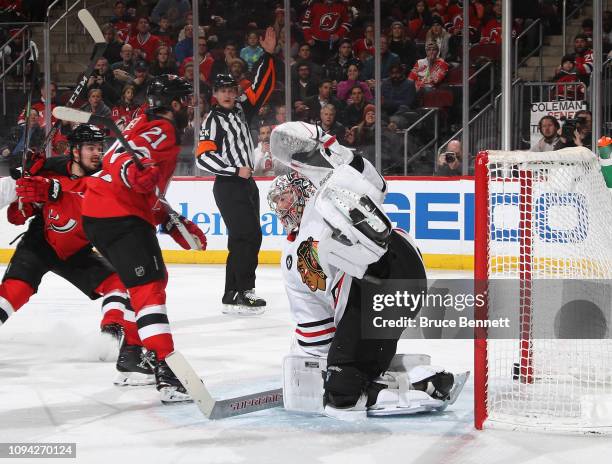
(549, 270)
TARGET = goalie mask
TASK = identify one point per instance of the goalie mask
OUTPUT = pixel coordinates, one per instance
(287, 198)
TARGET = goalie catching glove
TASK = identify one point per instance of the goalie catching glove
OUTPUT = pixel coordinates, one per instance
(359, 228)
(169, 227)
(38, 189)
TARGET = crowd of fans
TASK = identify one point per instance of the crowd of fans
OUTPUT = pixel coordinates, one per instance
(332, 69)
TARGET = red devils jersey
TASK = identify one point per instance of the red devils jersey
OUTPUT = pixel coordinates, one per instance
(322, 20)
(147, 45)
(63, 224)
(108, 192)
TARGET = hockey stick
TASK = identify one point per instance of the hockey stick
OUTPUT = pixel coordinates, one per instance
(90, 24)
(83, 117)
(220, 409)
(28, 111)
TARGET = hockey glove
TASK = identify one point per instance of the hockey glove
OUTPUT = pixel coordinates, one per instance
(18, 216)
(142, 180)
(193, 232)
(38, 189)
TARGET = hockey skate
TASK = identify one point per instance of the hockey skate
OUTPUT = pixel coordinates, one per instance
(112, 341)
(170, 388)
(244, 303)
(132, 368)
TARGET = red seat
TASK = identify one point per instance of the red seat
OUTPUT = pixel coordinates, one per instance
(490, 51)
(438, 98)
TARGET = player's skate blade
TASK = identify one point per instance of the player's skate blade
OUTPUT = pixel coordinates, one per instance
(244, 303)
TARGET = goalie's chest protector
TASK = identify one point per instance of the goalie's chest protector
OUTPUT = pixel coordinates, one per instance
(316, 300)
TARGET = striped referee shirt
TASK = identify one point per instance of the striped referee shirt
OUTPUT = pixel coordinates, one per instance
(225, 139)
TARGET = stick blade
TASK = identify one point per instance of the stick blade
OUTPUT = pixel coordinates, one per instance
(70, 114)
(91, 25)
(192, 382)
(246, 404)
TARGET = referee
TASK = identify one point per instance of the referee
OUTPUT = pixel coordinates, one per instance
(226, 150)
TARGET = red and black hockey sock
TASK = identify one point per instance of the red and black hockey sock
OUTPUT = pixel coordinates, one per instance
(13, 295)
(149, 303)
(116, 308)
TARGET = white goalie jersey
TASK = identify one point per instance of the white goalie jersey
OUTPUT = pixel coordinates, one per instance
(316, 298)
(7, 191)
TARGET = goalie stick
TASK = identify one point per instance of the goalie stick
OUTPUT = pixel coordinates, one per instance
(83, 117)
(90, 24)
(220, 409)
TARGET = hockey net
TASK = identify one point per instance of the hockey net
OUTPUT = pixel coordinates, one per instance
(543, 254)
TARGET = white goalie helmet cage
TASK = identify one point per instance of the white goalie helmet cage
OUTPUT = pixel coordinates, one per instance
(287, 197)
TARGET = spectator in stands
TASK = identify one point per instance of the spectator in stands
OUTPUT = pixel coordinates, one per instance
(324, 97)
(336, 66)
(103, 78)
(362, 135)
(549, 128)
(344, 88)
(163, 63)
(186, 70)
(450, 163)
(37, 133)
(113, 45)
(143, 42)
(579, 133)
(397, 93)
(121, 21)
(141, 82)
(439, 35)
(252, 52)
(583, 58)
(262, 157)
(323, 24)
(353, 114)
(387, 59)
(238, 72)
(363, 48)
(165, 31)
(430, 71)
(95, 103)
(304, 86)
(123, 70)
(570, 87)
(305, 56)
(419, 19)
(280, 114)
(184, 47)
(174, 10)
(123, 112)
(330, 126)
(230, 52)
(138, 8)
(402, 45)
(206, 60)
(40, 103)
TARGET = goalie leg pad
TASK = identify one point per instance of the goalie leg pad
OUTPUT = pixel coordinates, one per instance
(303, 383)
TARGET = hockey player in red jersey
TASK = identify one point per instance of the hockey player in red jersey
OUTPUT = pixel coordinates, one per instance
(121, 210)
(55, 241)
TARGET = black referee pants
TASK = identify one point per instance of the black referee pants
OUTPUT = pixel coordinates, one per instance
(238, 203)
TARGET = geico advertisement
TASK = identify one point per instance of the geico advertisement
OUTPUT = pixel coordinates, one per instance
(438, 213)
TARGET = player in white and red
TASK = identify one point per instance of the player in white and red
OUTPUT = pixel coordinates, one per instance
(121, 211)
(338, 239)
(55, 242)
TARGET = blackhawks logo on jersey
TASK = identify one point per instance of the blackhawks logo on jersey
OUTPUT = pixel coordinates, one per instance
(308, 265)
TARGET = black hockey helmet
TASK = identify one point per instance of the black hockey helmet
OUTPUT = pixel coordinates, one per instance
(165, 89)
(224, 80)
(85, 133)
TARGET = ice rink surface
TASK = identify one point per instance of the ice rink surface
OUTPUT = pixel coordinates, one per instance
(53, 388)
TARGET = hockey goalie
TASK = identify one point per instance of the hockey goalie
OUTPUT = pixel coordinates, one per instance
(338, 237)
